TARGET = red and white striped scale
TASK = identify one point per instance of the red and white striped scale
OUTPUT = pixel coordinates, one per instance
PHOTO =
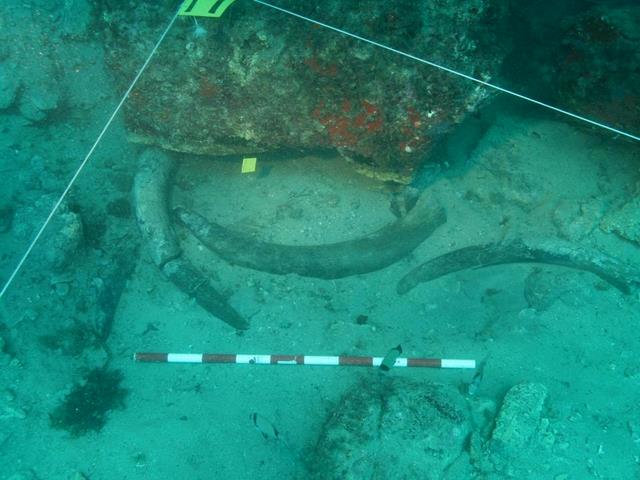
(326, 360)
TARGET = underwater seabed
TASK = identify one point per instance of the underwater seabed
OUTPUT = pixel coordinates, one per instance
(562, 337)
(554, 395)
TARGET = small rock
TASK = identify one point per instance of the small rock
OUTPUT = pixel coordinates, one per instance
(634, 429)
(95, 358)
(6, 217)
(29, 315)
(5, 358)
(64, 236)
(8, 412)
(75, 18)
(543, 288)
(25, 475)
(576, 221)
(519, 418)
(38, 101)
(624, 221)
(78, 476)
(9, 86)
(62, 289)
(62, 247)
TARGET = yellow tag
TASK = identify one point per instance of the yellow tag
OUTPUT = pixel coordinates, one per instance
(204, 8)
(249, 165)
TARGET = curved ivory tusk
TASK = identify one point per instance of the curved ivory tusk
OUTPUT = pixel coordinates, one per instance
(553, 252)
(334, 260)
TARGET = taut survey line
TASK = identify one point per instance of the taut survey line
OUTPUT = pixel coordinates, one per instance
(86, 159)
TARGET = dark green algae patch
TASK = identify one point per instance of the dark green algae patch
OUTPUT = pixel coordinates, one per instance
(87, 406)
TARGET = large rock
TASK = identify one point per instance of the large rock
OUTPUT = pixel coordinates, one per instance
(543, 288)
(393, 429)
(520, 445)
(62, 242)
(258, 80)
(624, 221)
(598, 70)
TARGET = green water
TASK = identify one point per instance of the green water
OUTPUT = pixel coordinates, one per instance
(358, 149)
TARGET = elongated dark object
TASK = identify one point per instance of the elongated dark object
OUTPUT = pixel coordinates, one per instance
(195, 284)
(151, 191)
(333, 260)
(554, 252)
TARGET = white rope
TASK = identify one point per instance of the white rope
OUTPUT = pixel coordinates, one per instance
(454, 72)
(86, 158)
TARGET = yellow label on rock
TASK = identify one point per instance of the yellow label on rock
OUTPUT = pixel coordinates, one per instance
(249, 165)
(204, 8)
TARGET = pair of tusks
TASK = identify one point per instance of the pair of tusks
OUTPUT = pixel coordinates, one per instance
(366, 254)
(391, 243)
(369, 253)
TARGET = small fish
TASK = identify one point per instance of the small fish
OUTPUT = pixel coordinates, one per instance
(474, 386)
(269, 432)
(389, 359)
(267, 429)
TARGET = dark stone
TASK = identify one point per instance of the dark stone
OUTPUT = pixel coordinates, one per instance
(71, 340)
(596, 65)
(6, 218)
(121, 208)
